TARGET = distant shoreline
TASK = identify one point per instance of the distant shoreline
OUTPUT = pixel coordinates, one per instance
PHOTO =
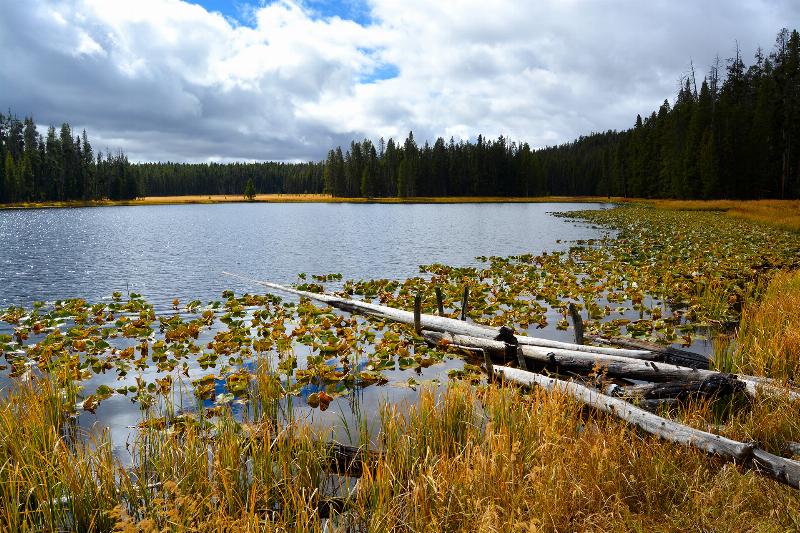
(779, 213)
(307, 198)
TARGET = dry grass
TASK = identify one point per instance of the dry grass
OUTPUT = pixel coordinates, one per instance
(470, 459)
(779, 213)
(309, 198)
(768, 343)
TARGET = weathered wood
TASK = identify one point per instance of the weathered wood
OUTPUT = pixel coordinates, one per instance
(668, 354)
(350, 460)
(779, 468)
(433, 322)
(418, 314)
(487, 361)
(784, 470)
(577, 323)
(656, 425)
(557, 359)
(465, 303)
(439, 301)
(523, 363)
(574, 361)
(715, 386)
(450, 325)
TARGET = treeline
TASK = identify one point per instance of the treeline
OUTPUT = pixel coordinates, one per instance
(58, 166)
(736, 136)
(175, 179)
(61, 166)
(483, 168)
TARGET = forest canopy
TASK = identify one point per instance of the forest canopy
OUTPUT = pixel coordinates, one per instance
(735, 133)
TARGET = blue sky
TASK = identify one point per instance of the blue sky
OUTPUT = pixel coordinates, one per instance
(355, 10)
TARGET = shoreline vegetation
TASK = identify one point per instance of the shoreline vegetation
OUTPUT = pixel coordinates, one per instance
(463, 456)
(778, 213)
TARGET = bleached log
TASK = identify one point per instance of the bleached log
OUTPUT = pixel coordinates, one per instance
(784, 470)
(435, 323)
(532, 345)
(611, 365)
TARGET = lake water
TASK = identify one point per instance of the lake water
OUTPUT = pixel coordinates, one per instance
(180, 251)
(167, 252)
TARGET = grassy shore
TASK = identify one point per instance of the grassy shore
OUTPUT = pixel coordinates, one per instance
(779, 213)
(309, 198)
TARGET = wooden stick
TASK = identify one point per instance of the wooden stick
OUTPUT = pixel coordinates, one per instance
(465, 303)
(418, 314)
(577, 323)
(439, 301)
(489, 366)
(783, 470)
(523, 363)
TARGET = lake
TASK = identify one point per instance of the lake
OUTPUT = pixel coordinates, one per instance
(168, 252)
(180, 251)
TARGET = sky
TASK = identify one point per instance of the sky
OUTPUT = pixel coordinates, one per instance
(287, 80)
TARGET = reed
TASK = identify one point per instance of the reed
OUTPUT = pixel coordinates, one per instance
(778, 213)
(487, 458)
(768, 342)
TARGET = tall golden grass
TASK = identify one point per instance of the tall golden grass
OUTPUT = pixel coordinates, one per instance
(779, 213)
(768, 343)
(468, 459)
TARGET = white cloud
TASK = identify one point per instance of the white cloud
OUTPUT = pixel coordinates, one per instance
(166, 79)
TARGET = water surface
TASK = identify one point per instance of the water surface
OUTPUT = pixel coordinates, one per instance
(180, 251)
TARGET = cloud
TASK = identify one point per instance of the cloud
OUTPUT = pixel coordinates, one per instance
(171, 80)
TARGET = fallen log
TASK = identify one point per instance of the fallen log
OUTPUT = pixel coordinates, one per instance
(781, 469)
(712, 386)
(435, 323)
(667, 354)
(560, 360)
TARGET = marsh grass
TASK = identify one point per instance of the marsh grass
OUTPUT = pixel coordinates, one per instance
(486, 458)
(462, 458)
(778, 213)
(768, 342)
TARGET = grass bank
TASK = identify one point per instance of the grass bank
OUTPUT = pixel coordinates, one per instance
(779, 213)
(301, 198)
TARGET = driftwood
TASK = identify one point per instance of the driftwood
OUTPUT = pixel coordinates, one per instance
(436, 323)
(560, 360)
(784, 470)
(667, 354)
(712, 386)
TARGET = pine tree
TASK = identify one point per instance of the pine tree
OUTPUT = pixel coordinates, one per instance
(250, 190)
